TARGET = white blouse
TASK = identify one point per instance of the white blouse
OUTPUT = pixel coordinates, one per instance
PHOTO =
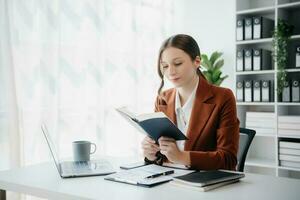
(183, 114)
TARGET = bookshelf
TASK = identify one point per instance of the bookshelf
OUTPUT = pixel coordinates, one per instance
(263, 155)
(256, 72)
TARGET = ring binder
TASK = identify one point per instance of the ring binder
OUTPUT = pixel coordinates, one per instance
(286, 92)
(248, 59)
(248, 91)
(295, 91)
(240, 60)
(266, 91)
(248, 29)
(262, 27)
(240, 91)
(240, 30)
(262, 59)
(256, 91)
(298, 56)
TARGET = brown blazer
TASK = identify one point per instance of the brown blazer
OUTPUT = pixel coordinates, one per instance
(213, 130)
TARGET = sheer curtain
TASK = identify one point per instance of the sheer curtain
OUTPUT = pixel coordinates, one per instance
(69, 63)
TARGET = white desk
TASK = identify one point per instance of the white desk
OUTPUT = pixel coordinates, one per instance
(43, 181)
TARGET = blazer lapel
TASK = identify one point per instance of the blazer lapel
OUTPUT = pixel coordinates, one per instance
(201, 112)
(169, 109)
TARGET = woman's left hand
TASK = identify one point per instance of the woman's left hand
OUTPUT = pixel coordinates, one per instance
(168, 147)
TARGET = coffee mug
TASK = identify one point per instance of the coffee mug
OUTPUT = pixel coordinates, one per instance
(82, 150)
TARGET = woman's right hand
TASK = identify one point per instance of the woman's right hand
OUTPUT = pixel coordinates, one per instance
(149, 148)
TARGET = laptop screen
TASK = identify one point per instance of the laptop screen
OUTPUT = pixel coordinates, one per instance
(51, 146)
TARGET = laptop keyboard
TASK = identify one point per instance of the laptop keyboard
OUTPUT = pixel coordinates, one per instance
(84, 167)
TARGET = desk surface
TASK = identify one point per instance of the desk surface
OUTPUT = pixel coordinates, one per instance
(43, 181)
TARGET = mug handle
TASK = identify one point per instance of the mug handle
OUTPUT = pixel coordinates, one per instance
(95, 148)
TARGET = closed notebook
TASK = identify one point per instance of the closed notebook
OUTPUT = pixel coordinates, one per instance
(204, 188)
(205, 178)
(154, 125)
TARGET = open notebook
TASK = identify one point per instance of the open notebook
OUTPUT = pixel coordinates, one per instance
(138, 176)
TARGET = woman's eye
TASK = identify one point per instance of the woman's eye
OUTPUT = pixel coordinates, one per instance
(177, 64)
(165, 66)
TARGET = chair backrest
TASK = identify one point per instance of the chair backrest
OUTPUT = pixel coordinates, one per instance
(246, 137)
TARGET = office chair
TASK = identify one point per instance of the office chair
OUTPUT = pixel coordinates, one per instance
(246, 137)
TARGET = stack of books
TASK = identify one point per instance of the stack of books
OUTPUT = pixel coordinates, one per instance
(289, 153)
(262, 122)
(289, 125)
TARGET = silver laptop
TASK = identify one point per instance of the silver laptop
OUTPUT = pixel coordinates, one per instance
(68, 169)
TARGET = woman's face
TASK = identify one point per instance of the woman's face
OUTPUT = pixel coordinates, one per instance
(178, 66)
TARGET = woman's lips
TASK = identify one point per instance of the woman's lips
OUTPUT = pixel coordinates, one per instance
(175, 79)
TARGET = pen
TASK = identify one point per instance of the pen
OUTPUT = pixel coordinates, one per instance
(161, 174)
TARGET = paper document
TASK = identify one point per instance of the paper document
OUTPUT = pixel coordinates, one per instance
(138, 176)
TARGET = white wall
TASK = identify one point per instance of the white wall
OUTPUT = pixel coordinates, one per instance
(212, 24)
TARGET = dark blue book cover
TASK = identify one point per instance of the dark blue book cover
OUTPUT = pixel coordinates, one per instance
(154, 124)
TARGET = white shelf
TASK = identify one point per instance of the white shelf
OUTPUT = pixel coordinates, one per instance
(265, 135)
(289, 168)
(264, 10)
(289, 136)
(255, 103)
(259, 162)
(295, 37)
(255, 72)
(256, 41)
(288, 103)
(293, 70)
(289, 5)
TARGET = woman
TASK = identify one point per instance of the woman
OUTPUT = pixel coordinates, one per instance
(205, 113)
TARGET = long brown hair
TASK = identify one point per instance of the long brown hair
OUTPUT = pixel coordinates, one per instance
(183, 42)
